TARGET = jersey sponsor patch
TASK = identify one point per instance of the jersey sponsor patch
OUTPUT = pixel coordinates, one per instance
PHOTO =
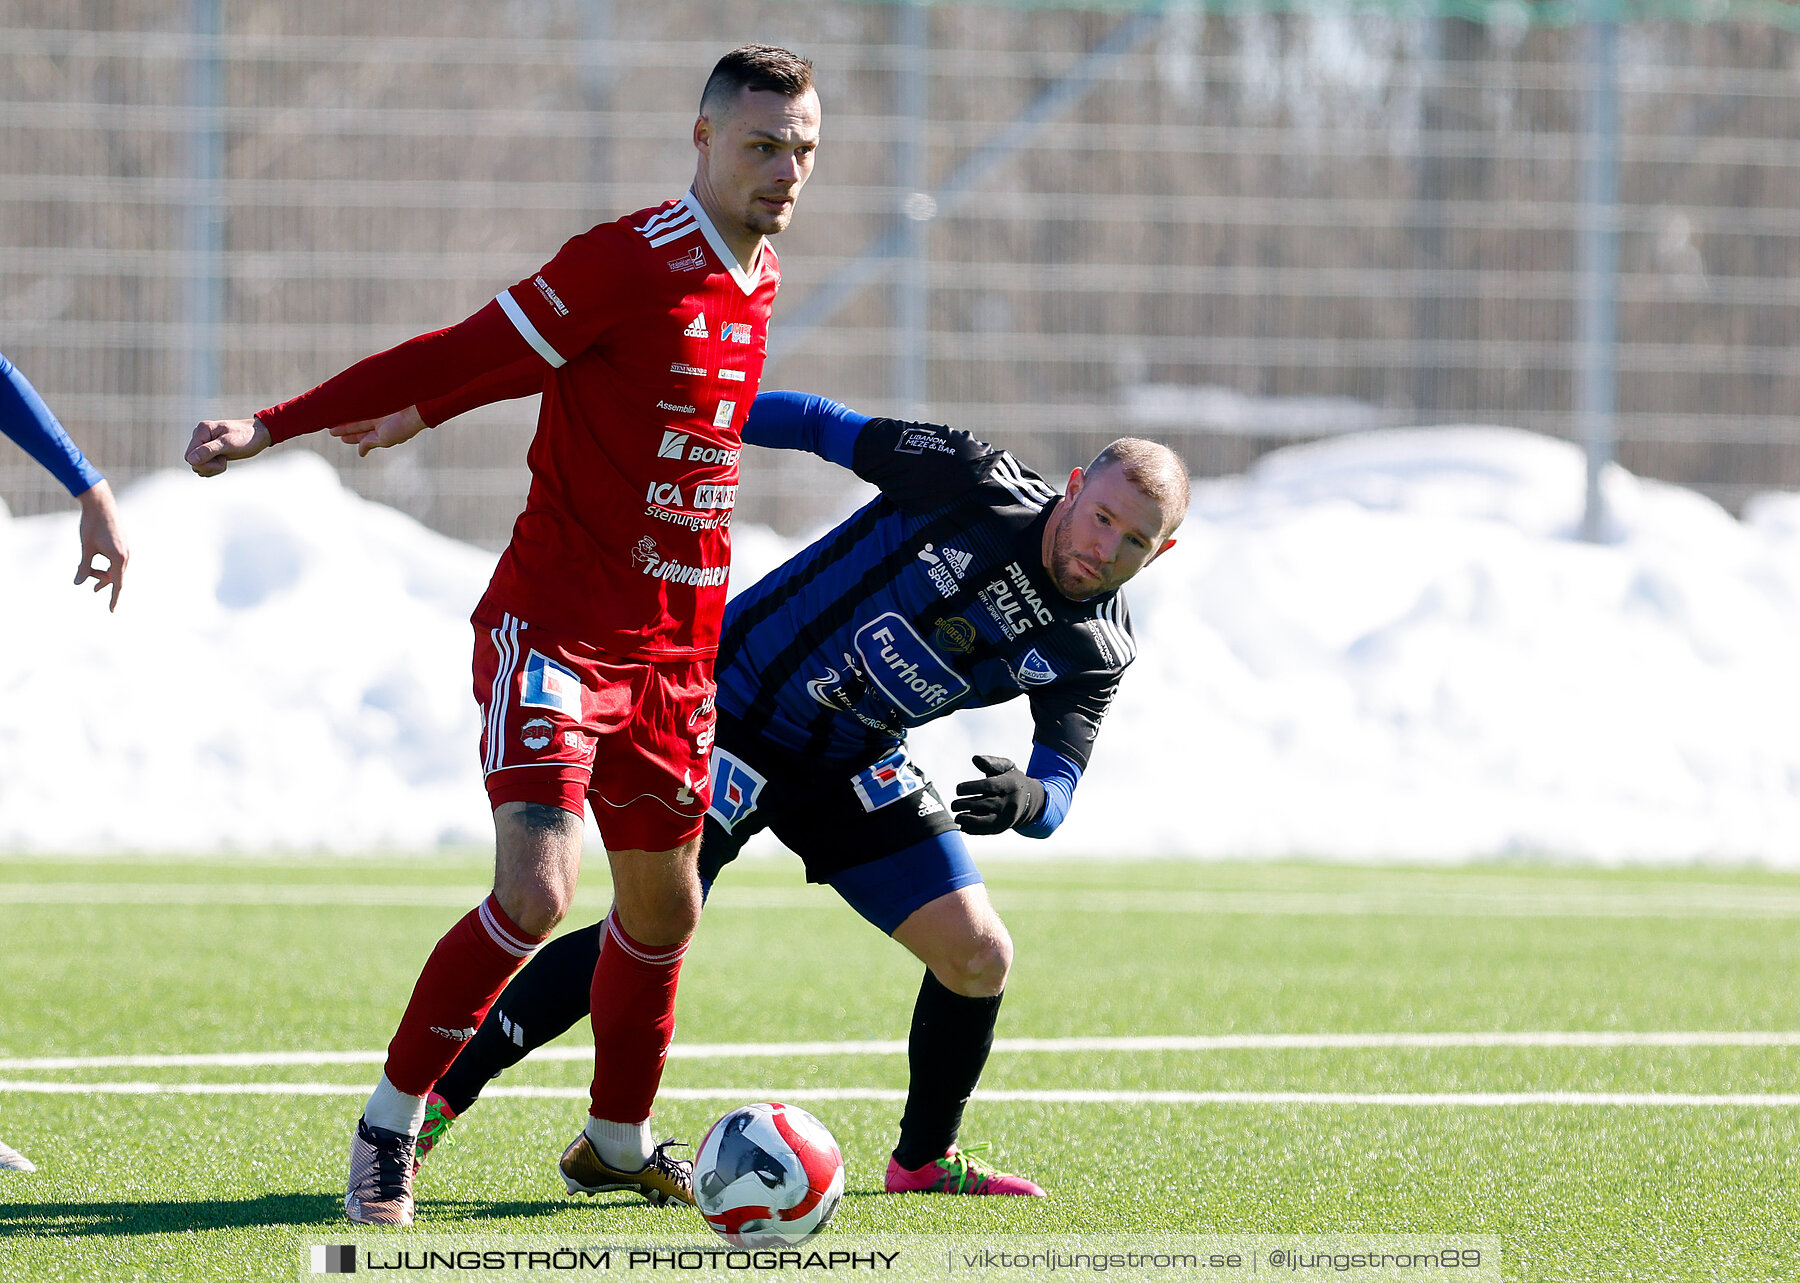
(692, 261)
(722, 416)
(1034, 669)
(549, 685)
(550, 296)
(735, 788)
(954, 634)
(675, 409)
(919, 440)
(887, 781)
(682, 367)
(901, 666)
(737, 332)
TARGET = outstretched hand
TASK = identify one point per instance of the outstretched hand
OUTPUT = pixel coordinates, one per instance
(1005, 799)
(102, 537)
(377, 434)
(219, 441)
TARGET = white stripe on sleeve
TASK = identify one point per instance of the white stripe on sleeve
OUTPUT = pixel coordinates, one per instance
(527, 330)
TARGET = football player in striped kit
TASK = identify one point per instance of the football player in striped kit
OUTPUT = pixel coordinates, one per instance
(970, 581)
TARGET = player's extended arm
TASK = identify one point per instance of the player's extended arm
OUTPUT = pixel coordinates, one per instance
(1033, 801)
(418, 370)
(802, 421)
(27, 420)
(524, 377)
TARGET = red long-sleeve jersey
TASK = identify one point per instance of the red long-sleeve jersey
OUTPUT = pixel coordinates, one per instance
(650, 341)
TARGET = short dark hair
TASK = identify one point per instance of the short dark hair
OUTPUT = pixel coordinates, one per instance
(763, 67)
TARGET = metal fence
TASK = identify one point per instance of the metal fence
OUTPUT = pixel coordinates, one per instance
(1048, 226)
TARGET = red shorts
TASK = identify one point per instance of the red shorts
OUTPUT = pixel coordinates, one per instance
(562, 721)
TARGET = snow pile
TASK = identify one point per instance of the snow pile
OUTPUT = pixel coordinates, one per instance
(1386, 645)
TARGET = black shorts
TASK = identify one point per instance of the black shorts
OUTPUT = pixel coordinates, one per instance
(834, 816)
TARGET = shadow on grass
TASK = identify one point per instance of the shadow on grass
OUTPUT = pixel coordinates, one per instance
(169, 1216)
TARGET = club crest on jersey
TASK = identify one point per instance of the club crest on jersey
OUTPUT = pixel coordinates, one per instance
(1034, 669)
(735, 788)
(887, 781)
(692, 261)
(537, 734)
(737, 332)
(549, 685)
(901, 666)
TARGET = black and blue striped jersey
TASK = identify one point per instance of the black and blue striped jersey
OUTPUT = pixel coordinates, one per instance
(930, 599)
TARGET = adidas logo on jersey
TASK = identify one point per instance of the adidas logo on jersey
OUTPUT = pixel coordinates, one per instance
(696, 328)
(958, 559)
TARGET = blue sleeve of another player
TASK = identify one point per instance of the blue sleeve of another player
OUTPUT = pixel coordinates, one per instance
(26, 419)
(1059, 775)
(801, 421)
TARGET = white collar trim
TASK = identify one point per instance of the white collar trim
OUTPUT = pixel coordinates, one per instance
(747, 281)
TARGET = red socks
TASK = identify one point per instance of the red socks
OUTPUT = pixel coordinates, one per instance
(461, 979)
(633, 998)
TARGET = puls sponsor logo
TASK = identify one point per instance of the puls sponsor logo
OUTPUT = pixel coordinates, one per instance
(676, 409)
(648, 558)
(1014, 603)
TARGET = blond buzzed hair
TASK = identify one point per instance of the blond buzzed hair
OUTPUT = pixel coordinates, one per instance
(1155, 470)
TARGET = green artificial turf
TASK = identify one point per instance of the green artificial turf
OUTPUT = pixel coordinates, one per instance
(118, 957)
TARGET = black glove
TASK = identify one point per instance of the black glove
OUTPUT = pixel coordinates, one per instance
(1006, 799)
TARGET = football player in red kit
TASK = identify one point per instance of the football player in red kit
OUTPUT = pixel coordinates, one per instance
(594, 643)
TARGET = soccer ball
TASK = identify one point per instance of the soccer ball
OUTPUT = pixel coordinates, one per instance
(768, 1176)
